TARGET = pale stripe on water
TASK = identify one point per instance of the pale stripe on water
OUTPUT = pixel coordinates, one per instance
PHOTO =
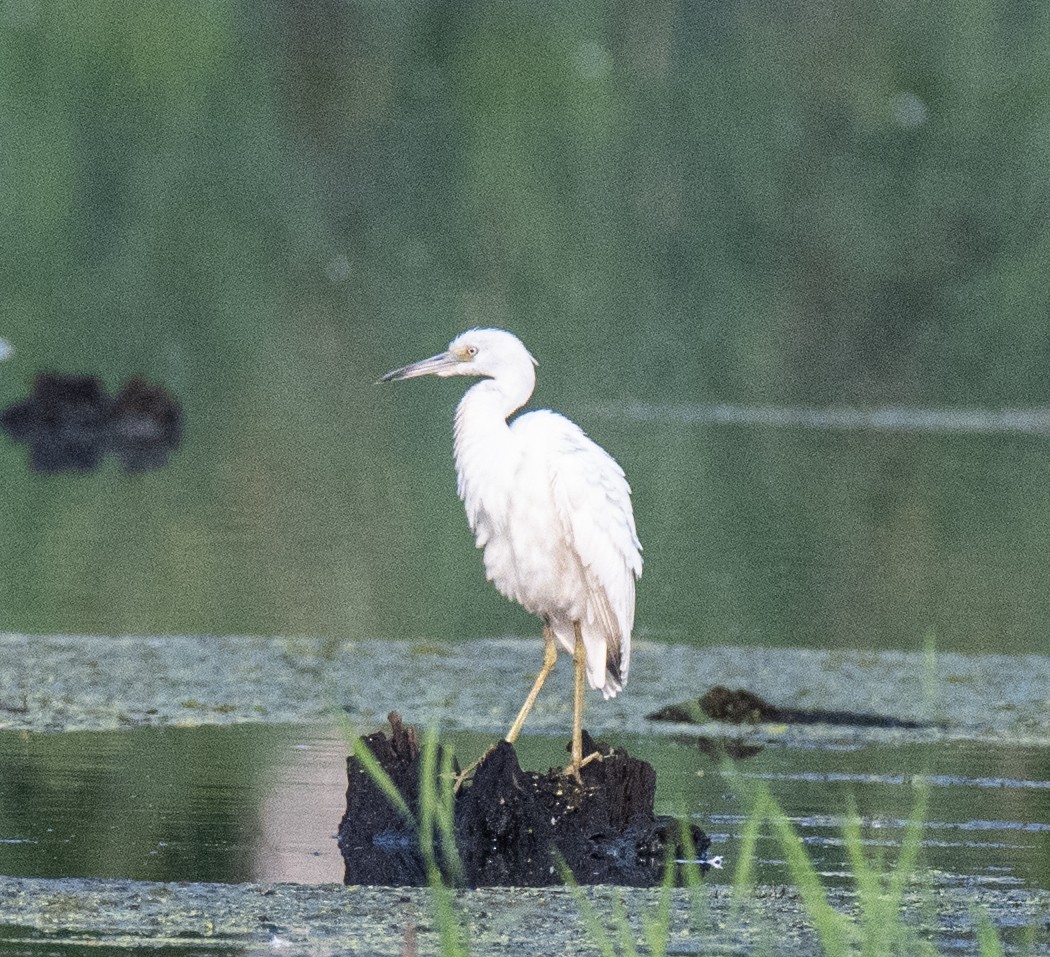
(890, 418)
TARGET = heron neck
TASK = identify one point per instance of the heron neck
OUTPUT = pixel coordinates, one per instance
(484, 449)
(481, 432)
(501, 397)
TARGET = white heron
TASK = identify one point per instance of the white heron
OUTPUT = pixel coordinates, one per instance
(552, 511)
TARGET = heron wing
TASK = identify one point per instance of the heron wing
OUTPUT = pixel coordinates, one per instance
(593, 503)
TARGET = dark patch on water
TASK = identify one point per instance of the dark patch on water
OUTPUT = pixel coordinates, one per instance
(70, 424)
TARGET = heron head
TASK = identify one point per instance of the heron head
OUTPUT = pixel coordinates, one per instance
(477, 352)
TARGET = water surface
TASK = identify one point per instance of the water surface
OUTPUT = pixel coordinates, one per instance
(255, 803)
(698, 206)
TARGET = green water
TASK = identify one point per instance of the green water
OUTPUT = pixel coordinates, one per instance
(265, 207)
(683, 204)
(751, 534)
(264, 804)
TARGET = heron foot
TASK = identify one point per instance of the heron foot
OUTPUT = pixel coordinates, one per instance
(573, 769)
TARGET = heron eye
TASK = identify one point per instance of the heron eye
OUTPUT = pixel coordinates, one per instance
(472, 351)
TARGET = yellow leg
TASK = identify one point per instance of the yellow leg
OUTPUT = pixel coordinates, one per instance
(579, 660)
(550, 655)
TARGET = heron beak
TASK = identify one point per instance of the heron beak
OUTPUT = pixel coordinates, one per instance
(441, 364)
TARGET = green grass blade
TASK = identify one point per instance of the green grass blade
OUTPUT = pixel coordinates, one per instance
(657, 929)
(622, 924)
(833, 929)
(446, 820)
(428, 801)
(869, 886)
(911, 843)
(433, 810)
(592, 922)
(451, 932)
(988, 941)
(449, 923)
(866, 879)
(744, 873)
(693, 878)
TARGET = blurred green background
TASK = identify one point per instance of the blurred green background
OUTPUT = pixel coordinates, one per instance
(264, 206)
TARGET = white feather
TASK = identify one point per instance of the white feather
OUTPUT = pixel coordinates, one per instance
(550, 508)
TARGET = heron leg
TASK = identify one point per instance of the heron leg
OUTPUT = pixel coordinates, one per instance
(465, 774)
(579, 660)
(550, 655)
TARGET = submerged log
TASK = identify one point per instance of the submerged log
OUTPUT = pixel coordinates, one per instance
(740, 706)
(512, 827)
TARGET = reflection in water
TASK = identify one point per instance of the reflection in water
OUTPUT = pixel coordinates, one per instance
(669, 205)
(300, 813)
(147, 805)
(70, 423)
(263, 803)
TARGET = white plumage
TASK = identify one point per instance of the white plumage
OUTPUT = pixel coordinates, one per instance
(550, 508)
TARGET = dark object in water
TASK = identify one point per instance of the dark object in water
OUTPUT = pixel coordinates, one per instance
(70, 424)
(746, 707)
(512, 826)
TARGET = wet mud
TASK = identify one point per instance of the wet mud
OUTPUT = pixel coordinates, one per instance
(513, 827)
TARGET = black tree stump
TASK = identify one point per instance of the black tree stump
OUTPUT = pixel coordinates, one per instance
(513, 827)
